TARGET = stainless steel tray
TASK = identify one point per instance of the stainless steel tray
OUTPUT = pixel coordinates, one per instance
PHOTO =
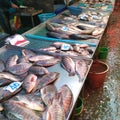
(73, 82)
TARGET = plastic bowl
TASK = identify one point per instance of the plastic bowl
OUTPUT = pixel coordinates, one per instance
(74, 10)
(45, 16)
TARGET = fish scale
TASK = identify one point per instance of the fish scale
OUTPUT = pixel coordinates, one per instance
(69, 65)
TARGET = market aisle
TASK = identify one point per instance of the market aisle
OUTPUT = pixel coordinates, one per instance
(104, 103)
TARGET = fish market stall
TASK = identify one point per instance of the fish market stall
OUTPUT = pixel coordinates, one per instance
(61, 77)
(51, 68)
(86, 28)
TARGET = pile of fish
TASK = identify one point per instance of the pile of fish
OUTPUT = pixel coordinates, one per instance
(63, 49)
(94, 16)
(50, 104)
(80, 31)
(28, 90)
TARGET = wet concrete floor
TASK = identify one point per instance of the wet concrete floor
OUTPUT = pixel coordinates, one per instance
(104, 103)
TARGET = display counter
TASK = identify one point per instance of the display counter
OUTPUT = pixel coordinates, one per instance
(39, 43)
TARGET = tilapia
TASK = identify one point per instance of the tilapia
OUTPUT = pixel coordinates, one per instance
(47, 63)
(12, 60)
(29, 83)
(66, 97)
(20, 68)
(10, 90)
(28, 53)
(31, 101)
(48, 79)
(69, 65)
(2, 66)
(15, 110)
(9, 76)
(81, 68)
(55, 111)
(48, 93)
(38, 70)
(40, 57)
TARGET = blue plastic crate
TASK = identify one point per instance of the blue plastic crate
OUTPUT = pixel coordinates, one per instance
(75, 10)
(45, 16)
(59, 8)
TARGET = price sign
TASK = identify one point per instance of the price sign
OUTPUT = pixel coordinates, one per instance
(65, 47)
(13, 86)
(64, 28)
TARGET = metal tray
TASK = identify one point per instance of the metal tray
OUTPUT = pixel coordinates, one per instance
(73, 82)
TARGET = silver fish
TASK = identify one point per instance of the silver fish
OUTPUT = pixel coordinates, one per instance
(81, 68)
(20, 68)
(38, 70)
(48, 93)
(69, 65)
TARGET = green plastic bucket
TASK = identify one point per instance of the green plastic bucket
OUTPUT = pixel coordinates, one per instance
(102, 52)
(79, 107)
